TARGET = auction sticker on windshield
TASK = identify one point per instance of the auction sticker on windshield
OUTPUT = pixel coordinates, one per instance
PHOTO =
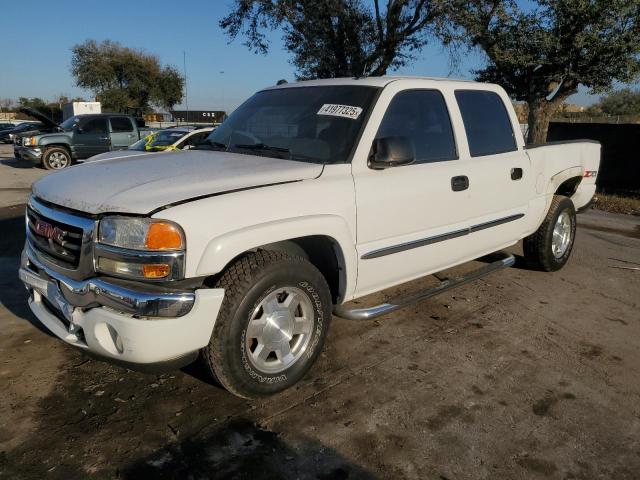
(345, 111)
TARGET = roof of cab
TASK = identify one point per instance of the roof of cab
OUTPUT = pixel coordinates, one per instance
(365, 81)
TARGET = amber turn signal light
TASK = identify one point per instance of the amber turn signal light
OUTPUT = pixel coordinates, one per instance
(163, 236)
(156, 270)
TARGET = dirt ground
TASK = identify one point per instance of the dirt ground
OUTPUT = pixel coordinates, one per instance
(520, 375)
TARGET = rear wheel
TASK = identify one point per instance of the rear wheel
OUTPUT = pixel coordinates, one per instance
(272, 323)
(56, 158)
(549, 248)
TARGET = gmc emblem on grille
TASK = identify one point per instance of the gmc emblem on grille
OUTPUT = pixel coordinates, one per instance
(49, 231)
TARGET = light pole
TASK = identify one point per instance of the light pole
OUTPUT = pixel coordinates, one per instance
(186, 90)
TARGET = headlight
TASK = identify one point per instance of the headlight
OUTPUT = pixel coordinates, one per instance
(30, 141)
(141, 233)
(140, 248)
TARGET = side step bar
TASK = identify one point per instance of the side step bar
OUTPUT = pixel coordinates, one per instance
(507, 260)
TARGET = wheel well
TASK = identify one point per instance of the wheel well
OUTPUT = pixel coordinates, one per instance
(568, 187)
(321, 251)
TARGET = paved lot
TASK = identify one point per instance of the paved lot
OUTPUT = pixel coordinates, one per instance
(520, 375)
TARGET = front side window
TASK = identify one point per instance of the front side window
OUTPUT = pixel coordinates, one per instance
(95, 125)
(422, 117)
(314, 124)
(486, 122)
(121, 124)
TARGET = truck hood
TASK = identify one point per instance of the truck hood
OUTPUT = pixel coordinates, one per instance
(32, 112)
(143, 183)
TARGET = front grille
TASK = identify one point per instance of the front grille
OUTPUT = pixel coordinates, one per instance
(60, 242)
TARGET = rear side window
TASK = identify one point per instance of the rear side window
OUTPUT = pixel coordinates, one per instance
(486, 122)
(422, 116)
(121, 124)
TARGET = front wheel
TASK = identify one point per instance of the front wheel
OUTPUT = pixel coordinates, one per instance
(56, 158)
(272, 323)
(549, 247)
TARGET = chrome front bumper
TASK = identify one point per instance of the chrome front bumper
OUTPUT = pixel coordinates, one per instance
(126, 325)
(67, 294)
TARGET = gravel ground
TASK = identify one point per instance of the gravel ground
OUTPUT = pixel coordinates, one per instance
(519, 375)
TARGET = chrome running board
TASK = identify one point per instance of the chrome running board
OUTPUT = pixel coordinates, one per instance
(507, 260)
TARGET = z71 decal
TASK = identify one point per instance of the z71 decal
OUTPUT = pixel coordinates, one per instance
(345, 111)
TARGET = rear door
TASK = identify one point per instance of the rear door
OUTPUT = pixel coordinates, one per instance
(123, 132)
(497, 168)
(92, 137)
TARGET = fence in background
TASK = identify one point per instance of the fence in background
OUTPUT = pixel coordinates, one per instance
(620, 161)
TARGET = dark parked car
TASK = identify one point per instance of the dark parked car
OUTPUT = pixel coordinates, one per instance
(6, 126)
(26, 128)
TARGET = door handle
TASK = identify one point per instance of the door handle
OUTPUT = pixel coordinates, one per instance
(516, 173)
(104, 138)
(459, 183)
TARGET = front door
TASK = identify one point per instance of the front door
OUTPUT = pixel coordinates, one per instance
(122, 133)
(92, 137)
(409, 217)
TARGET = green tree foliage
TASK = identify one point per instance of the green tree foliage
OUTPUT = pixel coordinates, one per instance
(123, 78)
(336, 38)
(542, 54)
(621, 102)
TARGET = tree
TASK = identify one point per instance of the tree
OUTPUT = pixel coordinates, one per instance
(336, 38)
(541, 55)
(621, 102)
(123, 78)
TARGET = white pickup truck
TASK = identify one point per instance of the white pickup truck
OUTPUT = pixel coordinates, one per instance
(310, 195)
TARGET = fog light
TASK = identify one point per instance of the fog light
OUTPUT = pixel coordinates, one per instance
(139, 270)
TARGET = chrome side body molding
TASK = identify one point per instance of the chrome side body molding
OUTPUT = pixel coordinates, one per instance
(439, 238)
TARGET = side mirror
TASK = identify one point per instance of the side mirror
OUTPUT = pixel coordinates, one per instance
(78, 129)
(389, 152)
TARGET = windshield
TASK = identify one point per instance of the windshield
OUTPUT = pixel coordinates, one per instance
(158, 141)
(317, 124)
(68, 124)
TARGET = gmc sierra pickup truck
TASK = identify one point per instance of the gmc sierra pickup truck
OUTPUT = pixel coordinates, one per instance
(308, 196)
(78, 138)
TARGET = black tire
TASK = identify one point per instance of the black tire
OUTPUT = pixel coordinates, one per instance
(537, 247)
(247, 283)
(56, 158)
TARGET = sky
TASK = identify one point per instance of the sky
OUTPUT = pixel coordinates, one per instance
(37, 54)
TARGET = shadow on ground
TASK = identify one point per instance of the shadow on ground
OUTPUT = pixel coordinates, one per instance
(12, 293)
(243, 449)
(17, 163)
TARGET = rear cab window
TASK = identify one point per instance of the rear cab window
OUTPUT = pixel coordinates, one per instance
(486, 122)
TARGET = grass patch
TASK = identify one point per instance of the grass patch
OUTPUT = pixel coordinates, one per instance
(617, 204)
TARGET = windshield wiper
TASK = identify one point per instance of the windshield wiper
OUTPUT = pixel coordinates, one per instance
(263, 147)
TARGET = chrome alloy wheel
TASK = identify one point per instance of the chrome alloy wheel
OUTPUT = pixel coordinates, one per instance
(279, 330)
(561, 235)
(58, 160)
